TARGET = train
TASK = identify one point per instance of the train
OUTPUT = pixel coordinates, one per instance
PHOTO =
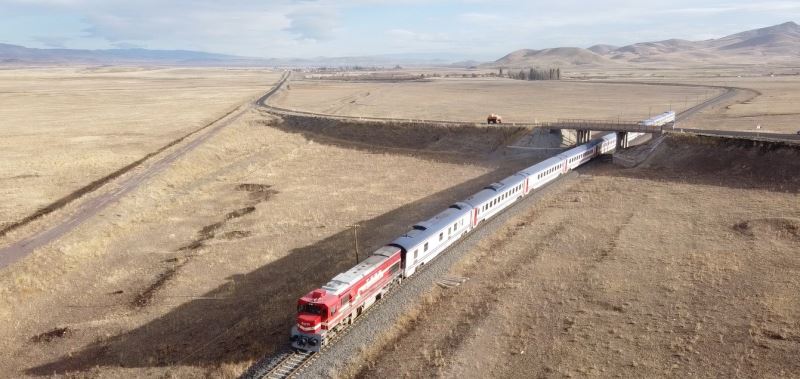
(330, 308)
(665, 118)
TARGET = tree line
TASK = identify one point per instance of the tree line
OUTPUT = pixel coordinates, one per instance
(533, 74)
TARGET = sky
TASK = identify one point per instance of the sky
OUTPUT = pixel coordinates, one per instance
(473, 29)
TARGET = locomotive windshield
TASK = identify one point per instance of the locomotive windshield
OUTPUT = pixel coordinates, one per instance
(311, 308)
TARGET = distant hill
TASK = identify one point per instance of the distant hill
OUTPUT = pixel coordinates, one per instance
(602, 49)
(561, 56)
(779, 43)
(25, 55)
(20, 55)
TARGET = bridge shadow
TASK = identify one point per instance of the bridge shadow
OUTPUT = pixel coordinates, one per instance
(251, 315)
(459, 144)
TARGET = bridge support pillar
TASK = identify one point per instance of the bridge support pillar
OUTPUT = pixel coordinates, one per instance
(582, 136)
(622, 140)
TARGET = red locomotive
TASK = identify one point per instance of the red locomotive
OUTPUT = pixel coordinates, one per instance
(344, 298)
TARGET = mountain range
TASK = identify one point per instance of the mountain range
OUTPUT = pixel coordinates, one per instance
(20, 55)
(774, 44)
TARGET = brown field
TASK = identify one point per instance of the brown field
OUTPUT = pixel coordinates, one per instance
(61, 129)
(773, 105)
(197, 271)
(676, 269)
(473, 99)
(692, 271)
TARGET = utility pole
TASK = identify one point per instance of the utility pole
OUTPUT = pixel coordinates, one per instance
(355, 239)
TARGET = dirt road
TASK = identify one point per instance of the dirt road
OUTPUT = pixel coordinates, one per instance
(93, 206)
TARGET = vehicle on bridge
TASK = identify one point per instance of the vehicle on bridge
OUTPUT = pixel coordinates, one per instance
(663, 119)
(494, 119)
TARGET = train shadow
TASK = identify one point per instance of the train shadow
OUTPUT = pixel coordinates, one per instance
(250, 316)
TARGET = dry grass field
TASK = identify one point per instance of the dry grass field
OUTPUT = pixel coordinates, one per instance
(472, 99)
(62, 128)
(773, 105)
(197, 272)
(685, 266)
(675, 269)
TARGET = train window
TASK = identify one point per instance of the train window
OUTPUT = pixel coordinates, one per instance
(455, 226)
(393, 270)
(416, 253)
(441, 236)
(345, 300)
(425, 248)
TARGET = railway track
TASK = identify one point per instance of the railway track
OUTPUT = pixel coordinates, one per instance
(290, 364)
(281, 366)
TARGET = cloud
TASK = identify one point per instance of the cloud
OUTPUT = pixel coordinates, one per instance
(480, 18)
(317, 24)
(280, 28)
(767, 6)
(405, 36)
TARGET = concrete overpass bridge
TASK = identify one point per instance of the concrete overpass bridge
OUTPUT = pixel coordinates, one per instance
(626, 130)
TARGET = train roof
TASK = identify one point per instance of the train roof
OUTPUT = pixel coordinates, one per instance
(661, 116)
(541, 166)
(579, 149)
(424, 229)
(347, 279)
(493, 189)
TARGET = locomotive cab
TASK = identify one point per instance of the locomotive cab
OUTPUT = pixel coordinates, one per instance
(310, 316)
(313, 313)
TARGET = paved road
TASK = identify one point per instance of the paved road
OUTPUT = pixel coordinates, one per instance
(768, 137)
(729, 94)
(92, 206)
